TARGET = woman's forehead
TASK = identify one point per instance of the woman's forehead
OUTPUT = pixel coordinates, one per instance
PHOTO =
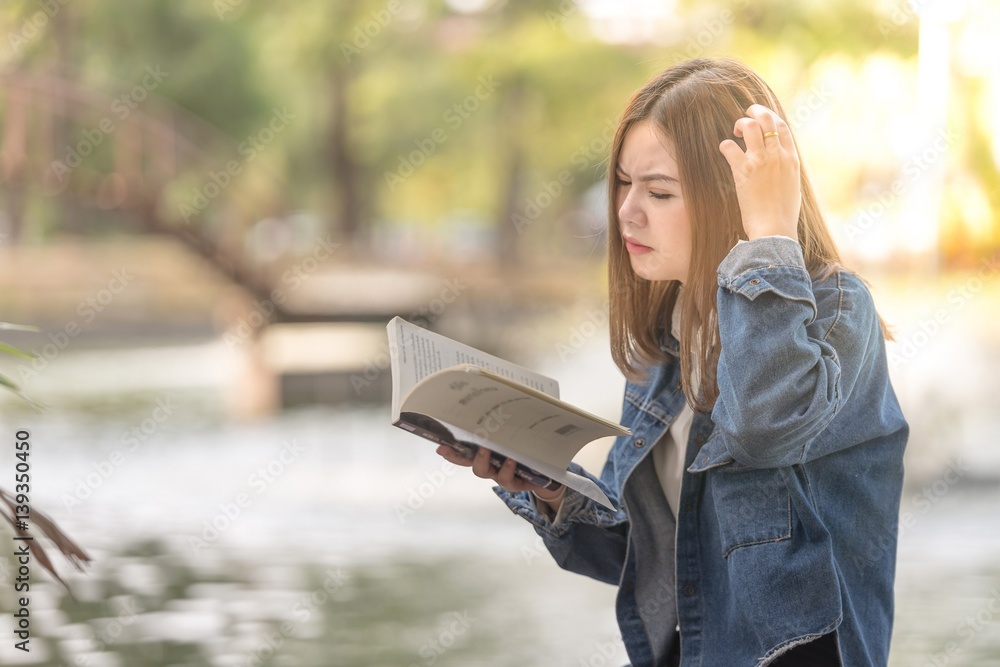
(646, 149)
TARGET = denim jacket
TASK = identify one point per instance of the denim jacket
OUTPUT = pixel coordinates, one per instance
(787, 521)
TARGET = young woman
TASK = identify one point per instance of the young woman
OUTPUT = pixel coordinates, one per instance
(759, 491)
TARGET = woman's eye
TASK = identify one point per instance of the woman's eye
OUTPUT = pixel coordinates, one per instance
(622, 182)
(657, 195)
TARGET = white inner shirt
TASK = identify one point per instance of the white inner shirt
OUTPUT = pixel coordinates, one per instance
(668, 453)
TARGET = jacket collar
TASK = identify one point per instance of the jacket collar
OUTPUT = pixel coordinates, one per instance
(670, 342)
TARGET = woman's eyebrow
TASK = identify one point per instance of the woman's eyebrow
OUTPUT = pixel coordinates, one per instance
(655, 176)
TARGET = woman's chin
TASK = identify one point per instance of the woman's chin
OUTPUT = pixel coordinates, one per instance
(649, 271)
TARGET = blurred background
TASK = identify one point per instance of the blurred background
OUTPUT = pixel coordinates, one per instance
(211, 209)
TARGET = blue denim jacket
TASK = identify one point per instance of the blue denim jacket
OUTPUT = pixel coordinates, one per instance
(789, 501)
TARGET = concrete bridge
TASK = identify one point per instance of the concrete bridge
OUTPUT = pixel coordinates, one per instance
(140, 184)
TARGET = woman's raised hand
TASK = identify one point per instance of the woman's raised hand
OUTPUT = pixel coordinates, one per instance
(768, 184)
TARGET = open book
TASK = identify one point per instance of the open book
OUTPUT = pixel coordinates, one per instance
(458, 396)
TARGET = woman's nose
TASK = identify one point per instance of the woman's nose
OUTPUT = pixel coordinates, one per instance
(629, 212)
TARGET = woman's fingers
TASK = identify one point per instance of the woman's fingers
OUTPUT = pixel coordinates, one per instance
(452, 456)
(505, 475)
(785, 137)
(766, 174)
(481, 466)
(774, 131)
(749, 129)
(762, 130)
(764, 133)
(733, 153)
(480, 463)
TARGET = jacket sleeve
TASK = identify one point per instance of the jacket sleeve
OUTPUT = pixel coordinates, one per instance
(792, 351)
(585, 537)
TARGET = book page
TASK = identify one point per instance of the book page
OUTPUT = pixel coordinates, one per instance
(452, 393)
(416, 353)
(531, 427)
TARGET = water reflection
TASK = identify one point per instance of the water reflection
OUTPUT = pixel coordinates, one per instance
(325, 537)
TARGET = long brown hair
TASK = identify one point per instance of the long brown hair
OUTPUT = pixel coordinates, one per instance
(694, 105)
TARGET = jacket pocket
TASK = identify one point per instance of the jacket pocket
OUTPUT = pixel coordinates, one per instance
(752, 506)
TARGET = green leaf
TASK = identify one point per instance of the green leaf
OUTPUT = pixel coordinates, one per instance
(10, 349)
(18, 327)
(7, 382)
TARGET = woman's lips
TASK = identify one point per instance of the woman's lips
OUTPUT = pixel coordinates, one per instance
(636, 248)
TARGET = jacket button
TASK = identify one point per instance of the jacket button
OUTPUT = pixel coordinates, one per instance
(754, 281)
(699, 440)
(639, 442)
(686, 507)
(689, 589)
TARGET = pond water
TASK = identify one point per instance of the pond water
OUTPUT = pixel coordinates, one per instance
(324, 537)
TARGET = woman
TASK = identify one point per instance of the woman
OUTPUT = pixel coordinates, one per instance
(760, 489)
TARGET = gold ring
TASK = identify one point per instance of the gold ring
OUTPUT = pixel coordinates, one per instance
(770, 134)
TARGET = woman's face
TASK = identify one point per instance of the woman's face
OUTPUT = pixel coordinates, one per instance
(652, 219)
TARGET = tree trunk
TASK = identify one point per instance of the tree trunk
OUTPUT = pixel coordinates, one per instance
(63, 130)
(14, 155)
(347, 173)
(507, 227)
